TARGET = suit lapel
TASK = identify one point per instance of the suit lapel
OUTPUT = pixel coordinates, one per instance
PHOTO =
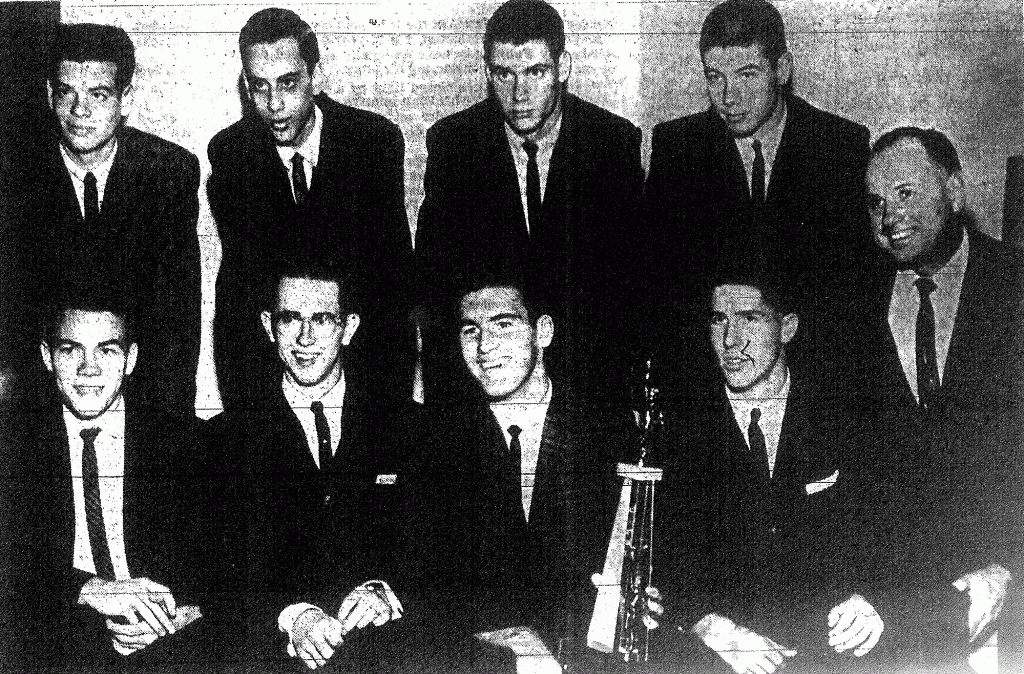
(118, 181)
(787, 156)
(330, 167)
(974, 312)
(725, 157)
(497, 153)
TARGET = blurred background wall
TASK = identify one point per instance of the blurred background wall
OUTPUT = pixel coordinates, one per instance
(952, 64)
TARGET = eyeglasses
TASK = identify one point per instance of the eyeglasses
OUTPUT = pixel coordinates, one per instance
(321, 324)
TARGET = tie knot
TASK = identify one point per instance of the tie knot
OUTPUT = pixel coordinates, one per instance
(90, 179)
(531, 149)
(297, 160)
(925, 285)
(514, 430)
(317, 407)
(755, 415)
(757, 146)
(89, 434)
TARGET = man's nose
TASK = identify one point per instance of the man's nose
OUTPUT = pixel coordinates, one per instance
(80, 106)
(730, 335)
(275, 101)
(520, 89)
(487, 341)
(306, 336)
(89, 365)
(730, 92)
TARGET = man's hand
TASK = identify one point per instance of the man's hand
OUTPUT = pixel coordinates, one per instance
(138, 600)
(314, 637)
(537, 664)
(131, 637)
(987, 591)
(854, 624)
(373, 603)
(745, 651)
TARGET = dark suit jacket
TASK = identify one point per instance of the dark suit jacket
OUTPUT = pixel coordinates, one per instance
(157, 510)
(768, 555)
(484, 567)
(813, 228)
(954, 501)
(355, 217)
(285, 532)
(472, 222)
(145, 245)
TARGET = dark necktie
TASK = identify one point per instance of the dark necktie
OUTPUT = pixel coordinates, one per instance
(757, 177)
(299, 180)
(94, 506)
(758, 447)
(323, 434)
(92, 201)
(533, 200)
(515, 455)
(924, 341)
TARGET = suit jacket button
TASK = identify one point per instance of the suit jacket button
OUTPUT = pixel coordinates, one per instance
(327, 498)
(773, 530)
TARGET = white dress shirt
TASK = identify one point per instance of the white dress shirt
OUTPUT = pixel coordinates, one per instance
(110, 461)
(545, 148)
(310, 151)
(100, 171)
(906, 302)
(530, 417)
(333, 402)
(770, 136)
(772, 411)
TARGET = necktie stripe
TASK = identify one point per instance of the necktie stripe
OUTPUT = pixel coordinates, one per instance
(924, 343)
(94, 506)
(299, 185)
(534, 202)
(323, 435)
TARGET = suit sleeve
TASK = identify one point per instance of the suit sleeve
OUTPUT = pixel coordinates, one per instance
(178, 290)
(434, 256)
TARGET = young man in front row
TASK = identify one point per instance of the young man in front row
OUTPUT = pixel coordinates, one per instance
(102, 500)
(520, 489)
(308, 522)
(758, 517)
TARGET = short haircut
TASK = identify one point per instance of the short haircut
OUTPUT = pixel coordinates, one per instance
(774, 291)
(81, 42)
(93, 300)
(314, 270)
(742, 23)
(533, 299)
(935, 143)
(520, 21)
(272, 24)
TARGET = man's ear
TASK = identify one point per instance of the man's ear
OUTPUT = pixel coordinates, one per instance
(955, 190)
(545, 331)
(784, 68)
(44, 349)
(564, 66)
(133, 356)
(790, 323)
(127, 100)
(351, 325)
(318, 77)
(268, 324)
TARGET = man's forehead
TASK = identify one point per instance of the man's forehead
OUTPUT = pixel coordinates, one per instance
(532, 52)
(907, 158)
(273, 59)
(311, 295)
(490, 302)
(92, 72)
(734, 57)
(90, 326)
(737, 297)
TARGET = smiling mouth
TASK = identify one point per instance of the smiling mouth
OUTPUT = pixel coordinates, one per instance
(900, 236)
(304, 358)
(84, 390)
(734, 364)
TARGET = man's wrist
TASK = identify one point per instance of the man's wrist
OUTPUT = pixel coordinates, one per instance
(711, 624)
(286, 619)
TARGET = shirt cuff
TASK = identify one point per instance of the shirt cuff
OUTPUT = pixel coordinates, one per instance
(290, 614)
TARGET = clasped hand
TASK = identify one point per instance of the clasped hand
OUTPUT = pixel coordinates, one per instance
(854, 624)
(745, 651)
(145, 610)
(315, 635)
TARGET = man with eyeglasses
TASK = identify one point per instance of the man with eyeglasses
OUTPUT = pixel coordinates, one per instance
(312, 536)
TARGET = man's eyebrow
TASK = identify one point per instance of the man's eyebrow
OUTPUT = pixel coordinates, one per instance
(112, 342)
(505, 316)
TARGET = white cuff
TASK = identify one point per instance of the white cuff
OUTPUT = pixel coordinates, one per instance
(290, 614)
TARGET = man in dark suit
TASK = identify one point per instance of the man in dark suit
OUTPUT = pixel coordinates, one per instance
(520, 491)
(302, 175)
(314, 492)
(948, 372)
(114, 207)
(536, 182)
(759, 513)
(759, 173)
(107, 479)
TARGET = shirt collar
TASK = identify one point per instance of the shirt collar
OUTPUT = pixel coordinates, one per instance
(298, 399)
(769, 134)
(310, 148)
(110, 423)
(99, 171)
(522, 412)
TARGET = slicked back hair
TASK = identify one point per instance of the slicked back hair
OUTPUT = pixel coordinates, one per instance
(935, 143)
(313, 270)
(81, 42)
(272, 24)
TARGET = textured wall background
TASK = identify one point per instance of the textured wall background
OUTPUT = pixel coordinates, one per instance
(952, 64)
